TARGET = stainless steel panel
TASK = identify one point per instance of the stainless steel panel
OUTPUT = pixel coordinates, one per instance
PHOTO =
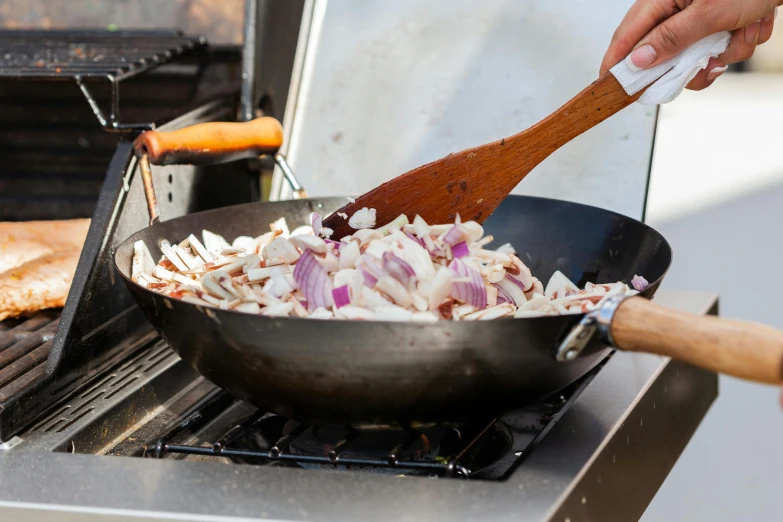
(626, 429)
(388, 86)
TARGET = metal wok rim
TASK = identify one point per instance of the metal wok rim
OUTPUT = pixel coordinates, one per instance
(575, 317)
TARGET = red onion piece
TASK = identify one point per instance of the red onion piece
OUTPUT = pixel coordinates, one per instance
(474, 292)
(371, 269)
(460, 250)
(456, 234)
(398, 268)
(317, 222)
(333, 242)
(341, 296)
(639, 283)
(416, 239)
(313, 281)
(503, 296)
(517, 282)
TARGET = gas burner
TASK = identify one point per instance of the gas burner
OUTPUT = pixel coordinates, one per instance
(339, 443)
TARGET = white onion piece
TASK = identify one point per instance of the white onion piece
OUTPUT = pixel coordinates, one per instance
(377, 248)
(304, 230)
(282, 226)
(441, 287)
(506, 249)
(424, 317)
(245, 243)
(213, 242)
(520, 314)
(263, 240)
(348, 255)
(314, 243)
(249, 308)
(142, 262)
(373, 300)
(354, 313)
(392, 313)
(281, 248)
(496, 312)
(197, 247)
(321, 313)
(393, 226)
(278, 310)
(280, 287)
(171, 255)
(559, 281)
(394, 289)
(363, 219)
(329, 261)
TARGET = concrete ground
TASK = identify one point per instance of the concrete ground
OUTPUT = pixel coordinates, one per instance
(717, 196)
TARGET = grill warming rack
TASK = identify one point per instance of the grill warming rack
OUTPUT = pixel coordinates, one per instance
(89, 56)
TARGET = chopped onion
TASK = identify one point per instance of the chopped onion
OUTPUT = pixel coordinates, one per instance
(341, 296)
(282, 248)
(399, 222)
(282, 226)
(280, 286)
(513, 289)
(318, 228)
(473, 293)
(460, 250)
(557, 282)
(362, 219)
(314, 282)
(639, 283)
(416, 239)
(349, 254)
(142, 261)
(354, 313)
(314, 243)
(456, 234)
(398, 268)
(506, 249)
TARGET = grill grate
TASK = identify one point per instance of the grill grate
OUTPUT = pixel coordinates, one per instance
(24, 348)
(84, 56)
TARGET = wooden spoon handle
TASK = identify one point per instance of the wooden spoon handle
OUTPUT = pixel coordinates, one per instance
(600, 100)
(211, 142)
(741, 349)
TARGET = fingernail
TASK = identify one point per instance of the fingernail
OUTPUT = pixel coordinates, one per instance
(752, 32)
(715, 72)
(641, 58)
(767, 19)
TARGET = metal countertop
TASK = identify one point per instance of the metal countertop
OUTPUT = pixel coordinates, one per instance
(604, 460)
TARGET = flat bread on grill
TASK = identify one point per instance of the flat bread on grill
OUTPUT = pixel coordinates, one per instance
(37, 263)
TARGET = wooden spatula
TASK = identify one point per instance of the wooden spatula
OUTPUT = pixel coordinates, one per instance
(475, 181)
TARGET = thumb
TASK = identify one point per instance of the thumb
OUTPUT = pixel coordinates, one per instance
(673, 36)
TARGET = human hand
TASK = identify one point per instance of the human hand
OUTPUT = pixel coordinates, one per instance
(658, 30)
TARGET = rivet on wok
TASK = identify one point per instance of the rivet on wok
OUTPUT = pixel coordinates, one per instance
(571, 354)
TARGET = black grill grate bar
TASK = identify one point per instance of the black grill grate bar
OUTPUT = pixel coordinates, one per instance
(64, 54)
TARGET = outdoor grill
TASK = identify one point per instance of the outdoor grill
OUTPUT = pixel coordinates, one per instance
(93, 392)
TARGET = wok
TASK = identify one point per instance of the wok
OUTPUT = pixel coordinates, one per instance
(369, 373)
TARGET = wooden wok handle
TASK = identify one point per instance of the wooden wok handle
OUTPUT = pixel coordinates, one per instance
(741, 349)
(211, 142)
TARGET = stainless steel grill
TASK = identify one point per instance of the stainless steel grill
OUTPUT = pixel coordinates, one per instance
(89, 56)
